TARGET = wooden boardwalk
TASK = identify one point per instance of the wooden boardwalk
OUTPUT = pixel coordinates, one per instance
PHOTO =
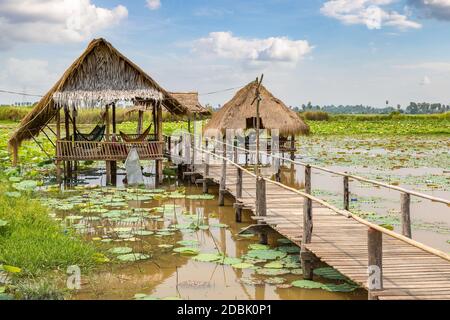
(408, 272)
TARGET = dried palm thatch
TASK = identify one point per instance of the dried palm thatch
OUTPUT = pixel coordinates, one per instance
(273, 112)
(100, 76)
(190, 100)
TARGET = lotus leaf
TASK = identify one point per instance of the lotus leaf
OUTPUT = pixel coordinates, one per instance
(329, 273)
(132, 257)
(187, 250)
(272, 272)
(13, 194)
(297, 271)
(230, 261)
(257, 246)
(26, 185)
(3, 223)
(120, 250)
(188, 243)
(343, 287)
(208, 257)
(274, 265)
(307, 284)
(143, 233)
(201, 197)
(243, 265)
(266, 254)
(289, 249)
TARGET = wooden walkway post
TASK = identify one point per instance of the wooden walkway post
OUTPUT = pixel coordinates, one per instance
(306, 256)
(293, 148)
(375, 267)
(58, 138)
(206, 173)
(406, 215)
(108, 139)
(238, 205)
(346, 193)
(223, 178)
(261, 205)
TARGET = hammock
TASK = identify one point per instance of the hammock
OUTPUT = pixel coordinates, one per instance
(136, 137)
(96, 135)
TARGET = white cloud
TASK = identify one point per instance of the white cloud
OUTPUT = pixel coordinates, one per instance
(425, 81)
(154, 4)
(368, 12)
(54, 20)
(438, 9)
(273, 49)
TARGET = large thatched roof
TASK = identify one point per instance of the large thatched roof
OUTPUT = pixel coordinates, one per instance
(190, 100)
(273, 112)
(101, 75)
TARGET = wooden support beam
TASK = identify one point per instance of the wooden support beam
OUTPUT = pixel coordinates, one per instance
(58, 138)
(306, 256)
(238, 206)
(68, 173)
(206, 173)
(261, 206)
(406, 214)
(223, 179)
(108, 138)
(160, 138)
(375, 267)
(140, 126)
(293, 147)
(114, 130)
(346, 194)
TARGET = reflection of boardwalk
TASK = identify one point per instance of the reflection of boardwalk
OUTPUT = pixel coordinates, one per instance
(409, 272)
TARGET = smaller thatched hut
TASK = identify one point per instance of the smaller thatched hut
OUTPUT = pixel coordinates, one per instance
(240, 114)
(191, 102)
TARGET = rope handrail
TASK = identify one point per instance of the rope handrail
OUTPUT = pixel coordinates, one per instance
(343, 174)
(344, 213)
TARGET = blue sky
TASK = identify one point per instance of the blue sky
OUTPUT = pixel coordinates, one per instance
(323, 51)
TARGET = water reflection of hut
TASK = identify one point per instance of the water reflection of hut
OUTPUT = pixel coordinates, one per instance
(100, 78)
(240, 114)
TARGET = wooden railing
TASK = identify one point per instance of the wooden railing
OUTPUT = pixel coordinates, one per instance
(375, 232)
(107, 151)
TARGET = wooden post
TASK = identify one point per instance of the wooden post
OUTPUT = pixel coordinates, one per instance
(68, 174)
(194, 140)
(375, 268)
(108, 138)
(58, 138)
(261, 205)
(238, 205)
(223, 178)
(206, 173)
(306, 256)
(114, 130)
(140, 122)
(159, 162)
(406, 214)
(278, 170)
(346, 194)
(293, 147)
(15, 155)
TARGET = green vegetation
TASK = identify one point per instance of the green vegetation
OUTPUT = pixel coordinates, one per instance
(35, 242)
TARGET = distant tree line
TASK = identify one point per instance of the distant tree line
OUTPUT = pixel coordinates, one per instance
(412, 108)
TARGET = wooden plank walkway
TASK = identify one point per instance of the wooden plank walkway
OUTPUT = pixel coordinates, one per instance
(341, 242)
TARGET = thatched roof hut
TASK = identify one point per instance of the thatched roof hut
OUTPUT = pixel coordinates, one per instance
(190, 100)
(239, 111)
(100, 76)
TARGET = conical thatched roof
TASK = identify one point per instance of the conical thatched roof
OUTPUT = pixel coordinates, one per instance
(101, 74)
(190, 100)
(274, 113)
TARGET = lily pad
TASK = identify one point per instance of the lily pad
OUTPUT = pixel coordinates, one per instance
(208, 257)
(307, 284)
(343, 287)
(289, 249)
(230, 261)
(243, 265)
(132, 257)
(143, 233)
(188, 243)
(13, 194)
(274, 265)
(201, 197)
(3, 223)
(329, 273)
(165, 246)
(266, 254)
(257, 246)
(272, 272)
(120, 250)
(187, 250)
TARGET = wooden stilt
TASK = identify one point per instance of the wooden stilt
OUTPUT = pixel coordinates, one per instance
(406, 215)
(238, 205)
(306, 257)
(114, 130)
(68, 165)
(223, 178)
(292, 147)
(58, 138)
(108, 138)
(346, 194)
(261, 205)
(140, 122)
(159, 162)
